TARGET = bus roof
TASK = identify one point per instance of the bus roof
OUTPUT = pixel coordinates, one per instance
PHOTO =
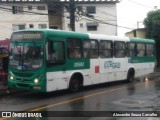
(108, 37)
(54, 32)
(140, 40)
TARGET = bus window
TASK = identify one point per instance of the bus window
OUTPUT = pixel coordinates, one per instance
(149, 50)
(140, 49)
(74, 53)
(55, 53)
(74, 48)
(119, 49)
(105, 49)
(90, 49)
(86, 48)
(131, 49)
(94, 49)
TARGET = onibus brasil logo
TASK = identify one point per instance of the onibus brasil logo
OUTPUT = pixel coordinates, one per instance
(111, 64)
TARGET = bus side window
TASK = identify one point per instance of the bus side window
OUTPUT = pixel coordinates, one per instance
(74, 53)
(119, 49)
(131, 49)
(106, 49)
(55, 53)
(51, 51)
(94, 49)
(149, 50)
(140, 49)
(90, 48)
(74, 48)
(86, 48)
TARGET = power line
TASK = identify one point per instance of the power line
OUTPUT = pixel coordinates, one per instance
(108, 14)
(19, 17)
(3, 8)
(100, 21)
(140, 4)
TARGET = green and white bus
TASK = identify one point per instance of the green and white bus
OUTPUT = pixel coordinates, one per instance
(50, 60)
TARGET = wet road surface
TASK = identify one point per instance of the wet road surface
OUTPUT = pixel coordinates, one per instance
(119, 96)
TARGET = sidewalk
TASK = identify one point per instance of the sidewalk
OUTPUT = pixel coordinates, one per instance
(5, 91)
(157, 69)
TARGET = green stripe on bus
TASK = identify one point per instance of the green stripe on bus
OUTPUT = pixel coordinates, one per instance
(142, 59)
(141, 40)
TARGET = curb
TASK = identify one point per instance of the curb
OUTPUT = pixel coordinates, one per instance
(7, 91)
(4, 91)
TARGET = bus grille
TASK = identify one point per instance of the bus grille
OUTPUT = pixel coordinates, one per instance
(23, 74)
(23, 80)
(23, 85)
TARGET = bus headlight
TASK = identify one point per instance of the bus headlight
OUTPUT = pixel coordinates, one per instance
(36, 80)
(11, 77)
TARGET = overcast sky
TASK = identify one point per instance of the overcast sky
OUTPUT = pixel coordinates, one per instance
(132, 11)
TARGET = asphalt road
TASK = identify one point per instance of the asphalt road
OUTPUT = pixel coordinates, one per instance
(91, 103)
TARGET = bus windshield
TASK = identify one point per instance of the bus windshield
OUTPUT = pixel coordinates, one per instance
(26, 56)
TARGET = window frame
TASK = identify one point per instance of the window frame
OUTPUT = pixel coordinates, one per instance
(31, 26)
(17, 9)
(41, 7)
(41, 26)
(17, 26)
(91, 9)
(30, 7)
(92, 28)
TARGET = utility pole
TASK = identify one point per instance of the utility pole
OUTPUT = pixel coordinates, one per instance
(72, 14)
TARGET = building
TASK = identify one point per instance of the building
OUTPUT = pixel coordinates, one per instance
(140, 32)
(92, 16)
(13, 17)
(104, 12)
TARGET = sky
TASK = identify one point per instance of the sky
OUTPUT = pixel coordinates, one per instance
(131, 12)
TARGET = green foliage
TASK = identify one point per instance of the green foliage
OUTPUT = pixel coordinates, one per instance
(152, 25)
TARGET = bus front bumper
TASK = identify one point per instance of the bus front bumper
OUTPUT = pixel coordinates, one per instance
(26, 86)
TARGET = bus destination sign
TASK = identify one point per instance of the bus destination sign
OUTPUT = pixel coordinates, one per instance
(27, 36)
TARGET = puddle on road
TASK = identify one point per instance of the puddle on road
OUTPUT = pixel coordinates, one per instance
(129, 102)
(134, 102)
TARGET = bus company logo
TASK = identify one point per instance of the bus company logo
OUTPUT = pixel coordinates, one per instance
(110, 64)
(79, 64)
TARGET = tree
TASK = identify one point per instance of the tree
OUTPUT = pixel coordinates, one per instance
(152, 25)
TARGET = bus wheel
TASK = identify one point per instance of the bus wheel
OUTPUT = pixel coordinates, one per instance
(74, 84)
(130, 76)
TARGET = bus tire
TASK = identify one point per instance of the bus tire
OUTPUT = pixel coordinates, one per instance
(130, 75)
(74, 84)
